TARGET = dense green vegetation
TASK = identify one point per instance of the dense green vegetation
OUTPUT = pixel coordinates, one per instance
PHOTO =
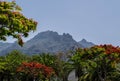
(98, 63)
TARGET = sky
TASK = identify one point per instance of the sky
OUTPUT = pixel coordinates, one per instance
(97, 21)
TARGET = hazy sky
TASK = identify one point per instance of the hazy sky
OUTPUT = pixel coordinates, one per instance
(97, 21)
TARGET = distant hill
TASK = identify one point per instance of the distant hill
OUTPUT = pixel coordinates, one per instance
(47, 41)
(86, 44)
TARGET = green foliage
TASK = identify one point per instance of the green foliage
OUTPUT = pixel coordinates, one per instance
(13, 22)
(97, 63)
(9, 63)
(47, 59)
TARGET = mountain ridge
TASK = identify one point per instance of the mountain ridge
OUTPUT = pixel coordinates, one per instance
(47, 42)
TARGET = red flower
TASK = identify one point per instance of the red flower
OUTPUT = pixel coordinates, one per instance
(34, 69)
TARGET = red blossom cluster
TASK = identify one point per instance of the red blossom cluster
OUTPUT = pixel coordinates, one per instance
(109, 49)
(112, 52)
(35, 69)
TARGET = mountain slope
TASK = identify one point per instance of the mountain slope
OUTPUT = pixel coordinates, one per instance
(4, 45)
(47, 41)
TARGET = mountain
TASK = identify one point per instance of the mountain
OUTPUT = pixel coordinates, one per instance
(3, 46)
(86, 44)
(50, 41)
(47, 41)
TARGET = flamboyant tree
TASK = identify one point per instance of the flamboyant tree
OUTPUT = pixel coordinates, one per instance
(98, 63)
(107, 62)
(13, 22)
(34, 71)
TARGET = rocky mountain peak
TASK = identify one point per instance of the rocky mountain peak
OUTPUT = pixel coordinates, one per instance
(83, 40)
(85, 43)
(46, 34)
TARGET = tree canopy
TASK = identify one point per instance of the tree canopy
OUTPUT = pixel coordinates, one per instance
(98, 63)
(13, 22)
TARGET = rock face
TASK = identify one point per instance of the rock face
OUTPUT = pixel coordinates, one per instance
(47, 41)
(86, 44)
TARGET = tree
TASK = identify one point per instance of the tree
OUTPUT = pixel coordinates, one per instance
(45, 58)
(79, 62)
(9, 64)
(58, 62)
(13, 22)
(35, 70)
(62, 66)
(2, 68)
(99, 63)
(106, 63)
(48, 60)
